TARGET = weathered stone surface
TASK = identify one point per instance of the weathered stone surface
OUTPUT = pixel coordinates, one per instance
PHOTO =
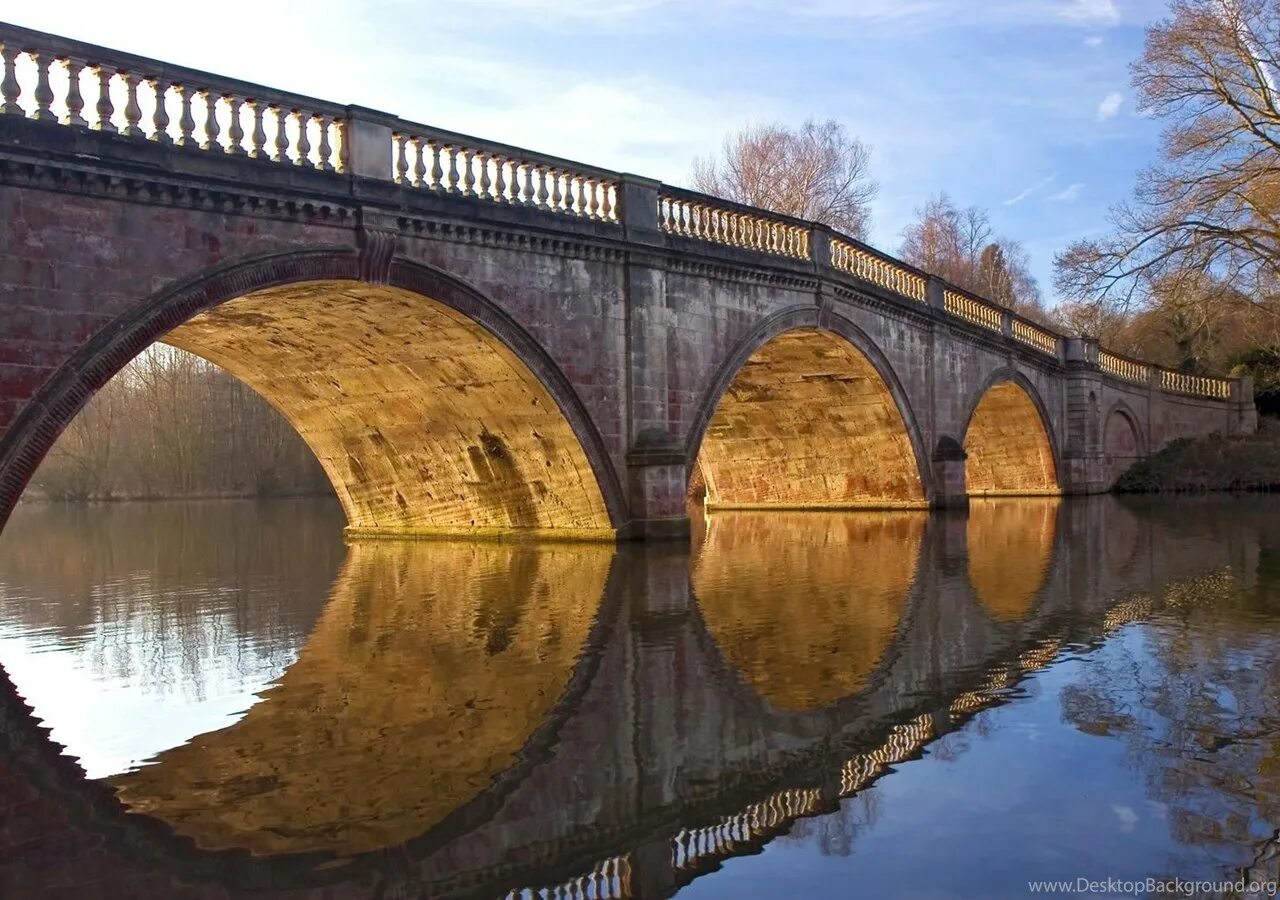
(422, 419)
(808, 422)
(1007, 445)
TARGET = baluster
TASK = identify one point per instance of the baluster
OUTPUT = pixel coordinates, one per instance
(160, 117)
(542, 186)
(186, 121)
(586, 186)
(103, 108)
(556, 197)
(437, 172)
(499, 181)
(325, 150)
(592, 188)
(572, 194)
(344, 149)
(419, 163)
(303, 119)
(211, 126)
(132, 112)
(482, 160)
(606, 204)
(235, 134)
(43, 92)
(402, 159)
(452, 185)
(259, 136)
(527, 195)
(10, 90)
(75, 103)
(282, 136)
(468, 173)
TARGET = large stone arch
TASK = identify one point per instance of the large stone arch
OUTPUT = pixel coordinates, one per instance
(361, 370)
(1009, 443)
(770, 432)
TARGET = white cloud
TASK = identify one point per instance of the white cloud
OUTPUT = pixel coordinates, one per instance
(1110, 106)
(1094, 40)
(1069, 194)
(1091, 11)
(1028, 191)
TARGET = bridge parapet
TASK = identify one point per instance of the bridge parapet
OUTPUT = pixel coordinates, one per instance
(705, 218)
(862, 262)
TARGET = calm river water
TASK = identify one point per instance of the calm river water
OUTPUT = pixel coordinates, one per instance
(223, 698)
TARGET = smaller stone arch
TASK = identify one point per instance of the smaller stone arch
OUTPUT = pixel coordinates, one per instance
(1123, 442)
(789, 419)
(1008, 441)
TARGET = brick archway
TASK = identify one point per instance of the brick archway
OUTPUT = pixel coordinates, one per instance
(315, 339)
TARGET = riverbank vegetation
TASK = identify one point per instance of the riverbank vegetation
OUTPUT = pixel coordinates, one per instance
(173, 425)
(1214, 463)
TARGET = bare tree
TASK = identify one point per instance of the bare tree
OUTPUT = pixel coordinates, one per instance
(174, 425)
(817, 172)
(1212, 202)
(960, 246)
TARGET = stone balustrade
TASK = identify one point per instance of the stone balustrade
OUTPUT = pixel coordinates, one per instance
(51, 79)
(971, 309)
(59, 81)
(1126, 369)
(1034, 336)
(1199, 385)
(447, 163)
(704, 218)
(864, 264)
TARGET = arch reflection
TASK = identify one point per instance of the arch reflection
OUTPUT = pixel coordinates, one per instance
(1010, 548)
(804, 605)
(428, 671)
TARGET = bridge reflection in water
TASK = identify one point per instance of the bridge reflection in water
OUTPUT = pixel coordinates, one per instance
(476, 719)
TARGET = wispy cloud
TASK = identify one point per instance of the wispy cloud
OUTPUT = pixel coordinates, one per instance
(1069, 194)
(1028, 191)
(1110, 106)
(1102, 12)
(1093, 40)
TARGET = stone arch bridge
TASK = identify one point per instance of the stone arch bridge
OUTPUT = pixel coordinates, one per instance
(474, 337)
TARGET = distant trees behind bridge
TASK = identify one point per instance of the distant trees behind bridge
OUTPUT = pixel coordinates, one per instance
(174, 425)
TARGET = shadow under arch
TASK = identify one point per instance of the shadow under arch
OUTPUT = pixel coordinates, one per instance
(808, 413)
(1010, 544)
(753, 569)
(342, 386)
(1009, 441)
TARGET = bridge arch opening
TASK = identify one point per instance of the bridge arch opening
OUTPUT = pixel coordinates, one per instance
(1007, 445)
(423, 418)
(808, 422)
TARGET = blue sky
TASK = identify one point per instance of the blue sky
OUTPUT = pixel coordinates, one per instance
(1021, 106)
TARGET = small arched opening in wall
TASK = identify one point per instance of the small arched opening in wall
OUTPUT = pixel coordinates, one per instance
(1122, 441)
(429, 410)
(808, 417)
(1008, 445)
